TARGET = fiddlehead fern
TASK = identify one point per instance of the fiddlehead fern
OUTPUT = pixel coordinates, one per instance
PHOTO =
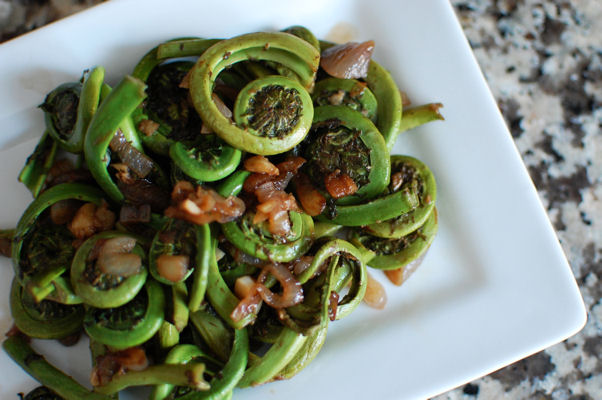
(412, 175)
(46, 319)
(346, 143)
(130, 324)
(38, 262)
(173, 252)
(389, 254)
(283, 48)
(257, 241)
(101, 288)
(348, 92)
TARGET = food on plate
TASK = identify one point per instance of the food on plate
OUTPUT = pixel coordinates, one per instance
(206, 218)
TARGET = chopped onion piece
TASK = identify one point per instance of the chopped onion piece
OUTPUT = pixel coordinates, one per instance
(243, 286)
(260, 165)
(201, 206)
(121, 244)
(312, 201)
(339, 184)
(347, 61)
(119, 264)
(400, 275)
(115, 257)
(173, 267)
(375, 296)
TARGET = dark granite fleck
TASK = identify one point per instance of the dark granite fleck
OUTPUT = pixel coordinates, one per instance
(552, 30)
(581, 397)
(470, 389)
(574, 98)
(585, 218)
(560, 189)
(464, 7)
(593, 259)
(534, 367)
(577, 362)
(593, 346)
(539, 395)
(547, 145)
(510, 109)
(558, 222)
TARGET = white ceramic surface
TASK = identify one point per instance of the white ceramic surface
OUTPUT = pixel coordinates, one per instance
(495, 286)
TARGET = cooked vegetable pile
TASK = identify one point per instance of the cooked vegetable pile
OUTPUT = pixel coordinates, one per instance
(205, 219)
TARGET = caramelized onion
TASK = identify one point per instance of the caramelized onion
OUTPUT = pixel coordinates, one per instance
(347, 61)
(201, 206)
(260, 165)
(274, 202)
(312, 201)
(339, 184)
(119, 264)
(267, 183)
(131, 214)
(242, 257)
(90, 219)
(279, 223)
(110, 364)
(244, 286)
(274, 207)
(375, 296)
(221, 106)
(248, 305)
(121, 244)
(400, 275)
(292, 292)
(333, 304)
(396, 181)
(133, 359)
(148, 127)
(173, 267)
(63, 211)
(115, 257)
(137, 161)
(301, 264)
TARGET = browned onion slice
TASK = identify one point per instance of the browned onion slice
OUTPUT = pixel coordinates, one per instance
(140, 163)
(292, 292)
(131, 214)
(248, 305)
(348, 60)
(63, 211)
(301, 264)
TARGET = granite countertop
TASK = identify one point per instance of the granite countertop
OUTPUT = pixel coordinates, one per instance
(543, 62)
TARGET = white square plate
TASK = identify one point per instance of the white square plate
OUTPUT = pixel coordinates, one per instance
(495, 286)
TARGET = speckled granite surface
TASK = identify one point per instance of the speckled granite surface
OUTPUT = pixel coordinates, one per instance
(543, 62)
